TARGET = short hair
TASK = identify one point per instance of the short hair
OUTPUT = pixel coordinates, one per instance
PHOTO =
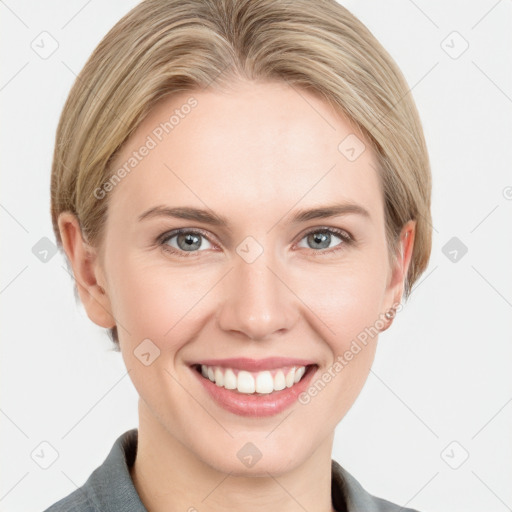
(163, 47)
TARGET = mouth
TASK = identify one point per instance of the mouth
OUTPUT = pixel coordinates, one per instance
(264, 382)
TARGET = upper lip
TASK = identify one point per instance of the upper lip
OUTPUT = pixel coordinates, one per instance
(248, 364)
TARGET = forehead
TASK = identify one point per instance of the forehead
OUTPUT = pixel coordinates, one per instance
(255, 146)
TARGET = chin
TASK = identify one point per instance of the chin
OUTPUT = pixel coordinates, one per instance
(257, 457)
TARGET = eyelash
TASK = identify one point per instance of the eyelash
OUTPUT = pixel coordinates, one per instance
(344, 235)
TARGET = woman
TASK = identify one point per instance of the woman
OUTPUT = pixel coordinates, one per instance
(242, 190)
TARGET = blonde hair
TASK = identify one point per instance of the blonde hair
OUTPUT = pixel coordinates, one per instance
(164, 46)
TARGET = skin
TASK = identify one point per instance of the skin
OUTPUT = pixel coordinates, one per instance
(256, 155)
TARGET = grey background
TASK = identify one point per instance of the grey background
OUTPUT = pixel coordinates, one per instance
(440, 389)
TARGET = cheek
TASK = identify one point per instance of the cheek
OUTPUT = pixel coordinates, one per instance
(164, 302)
(163, 305)
(344, 310)
(345, 299)
(158, 301)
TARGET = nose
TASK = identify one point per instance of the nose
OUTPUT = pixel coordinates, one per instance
(257, 301)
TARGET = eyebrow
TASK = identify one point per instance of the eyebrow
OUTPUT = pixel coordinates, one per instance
(209, 217)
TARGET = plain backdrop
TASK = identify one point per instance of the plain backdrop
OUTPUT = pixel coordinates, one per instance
(432, 427)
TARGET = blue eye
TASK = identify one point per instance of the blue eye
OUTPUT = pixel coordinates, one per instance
(185, 242)
(322, 238)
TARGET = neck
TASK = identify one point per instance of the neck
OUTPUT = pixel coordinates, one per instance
(169, 476)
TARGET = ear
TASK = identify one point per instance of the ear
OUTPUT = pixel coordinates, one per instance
(86, 270)
(395, 287)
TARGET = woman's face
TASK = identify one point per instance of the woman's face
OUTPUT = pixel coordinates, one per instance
(271, 282)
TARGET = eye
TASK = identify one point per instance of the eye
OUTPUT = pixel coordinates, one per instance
(321, 238)
(182, 241)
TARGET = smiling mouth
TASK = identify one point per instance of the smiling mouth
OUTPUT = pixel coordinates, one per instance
(254, 383)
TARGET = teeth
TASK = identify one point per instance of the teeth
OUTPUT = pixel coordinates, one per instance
(279, 381)
(245, 382)
(299, 372)
(290, 378)
(230, 381)
(219, 377)
(264, 382)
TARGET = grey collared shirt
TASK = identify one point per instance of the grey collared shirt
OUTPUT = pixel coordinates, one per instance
(110, 488)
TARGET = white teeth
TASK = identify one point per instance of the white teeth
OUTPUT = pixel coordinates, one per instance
(230, 379)
(279, 381)
(219, 377)
(290, 378)
(299, 372)
(263, 382)
(245, 382)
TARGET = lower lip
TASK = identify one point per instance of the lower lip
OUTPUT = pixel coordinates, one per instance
(255, 405)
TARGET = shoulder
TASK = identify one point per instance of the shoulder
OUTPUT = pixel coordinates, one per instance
(77, 501)
(110, 486)
(356, 497)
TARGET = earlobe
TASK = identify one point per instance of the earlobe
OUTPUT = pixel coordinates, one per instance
(86, 270)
